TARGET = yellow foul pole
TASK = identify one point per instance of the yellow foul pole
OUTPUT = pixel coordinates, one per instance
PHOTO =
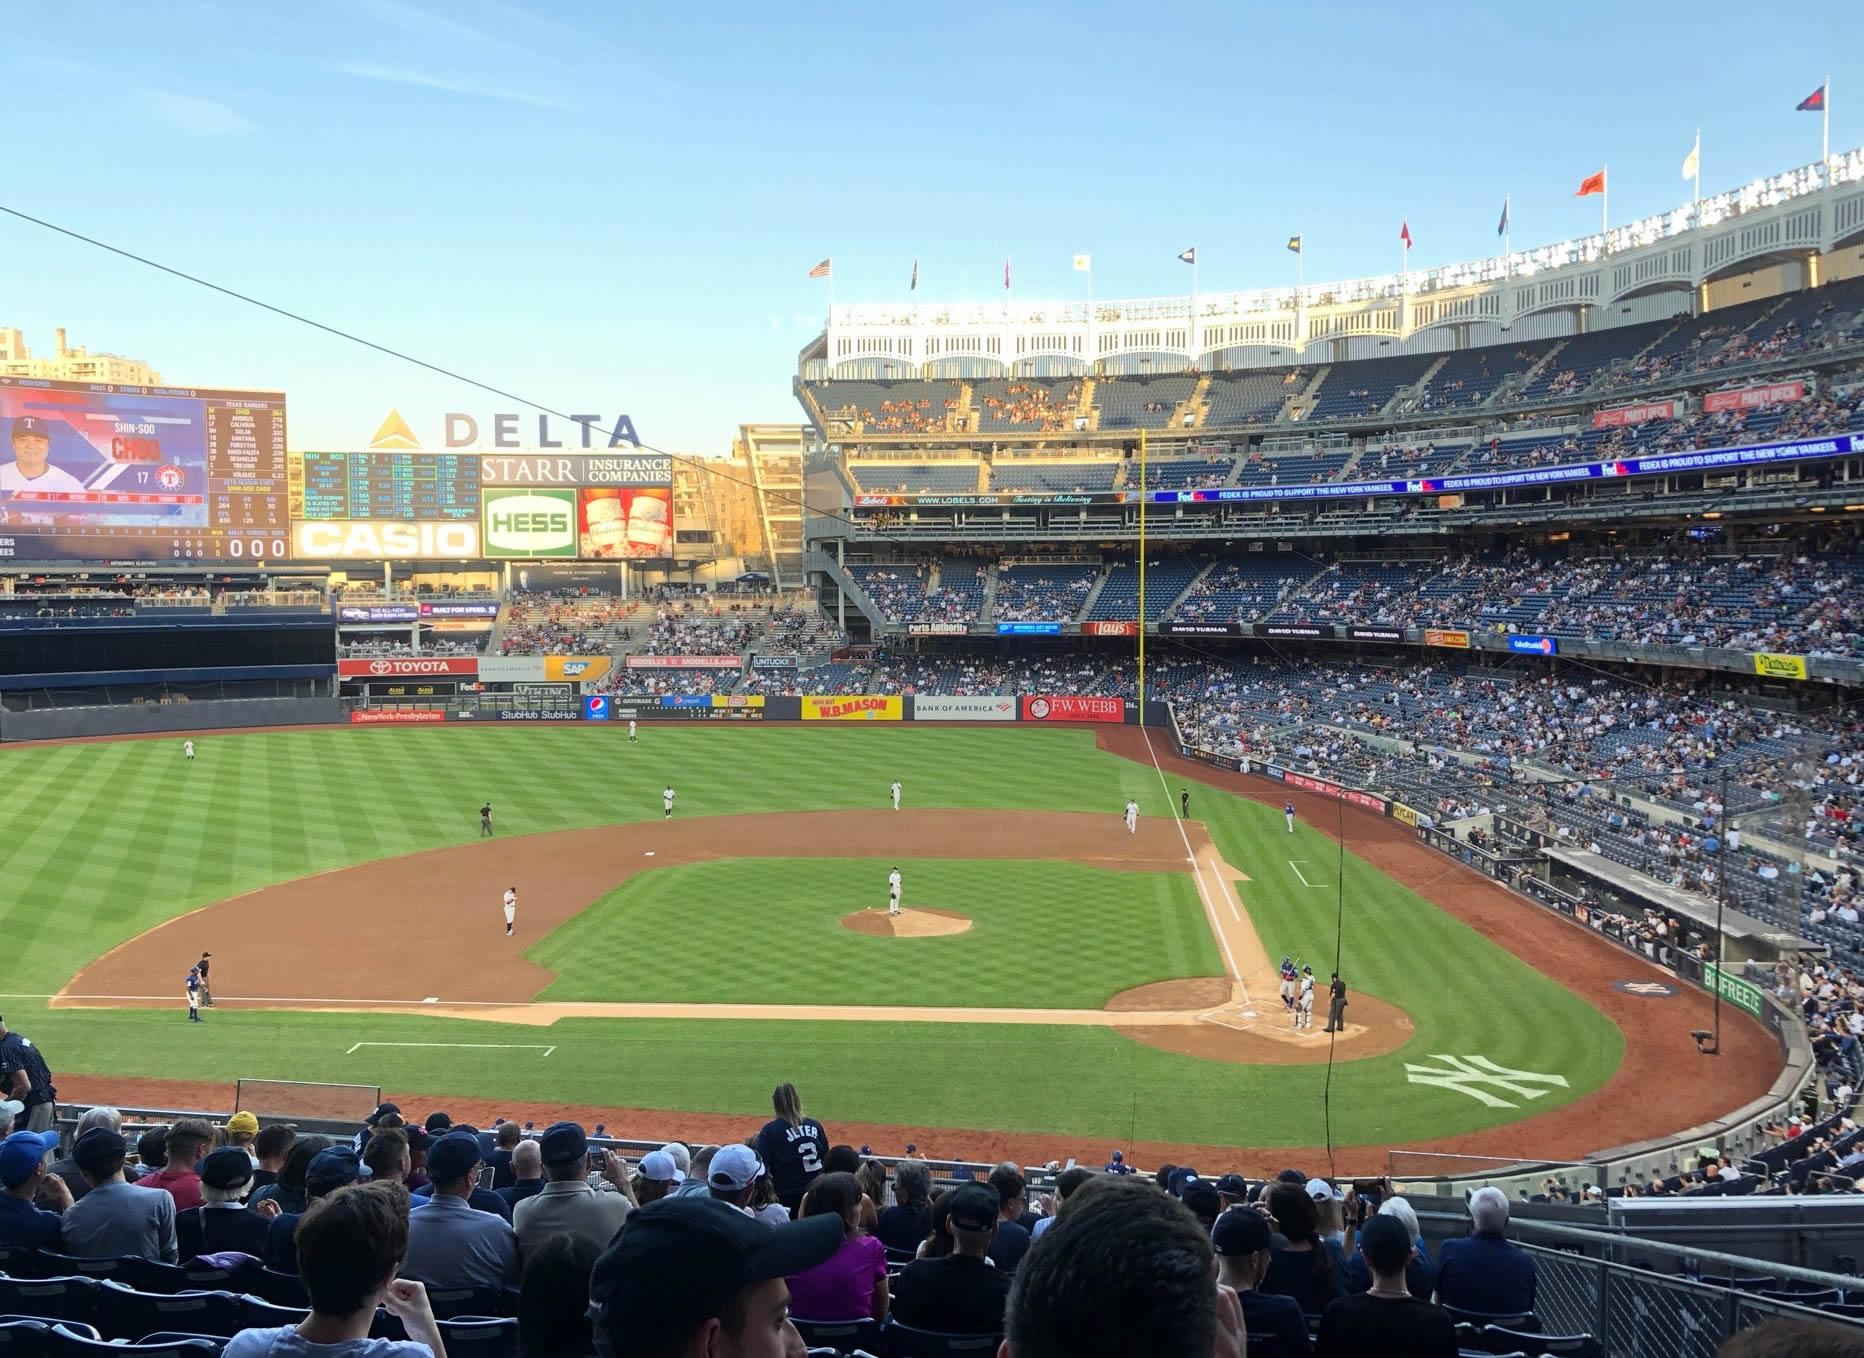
(1142, 575)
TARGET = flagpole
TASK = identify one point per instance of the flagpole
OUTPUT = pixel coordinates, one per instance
(1698, 221)
(1142, 574)
(1825, 124)
(1507, 237)
(1605, 198)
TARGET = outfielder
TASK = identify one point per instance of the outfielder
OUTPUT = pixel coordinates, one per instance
(893, 892)
(1290, 980)
(485, 820)
(194, 994)
(896, 794)
(1132, 817)
(1304, 1006)
(632, 738)
(187, 748)
(1288, 811)
(511, 908)
(666, 803)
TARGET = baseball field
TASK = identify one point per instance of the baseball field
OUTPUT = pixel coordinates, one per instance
(1053, 986)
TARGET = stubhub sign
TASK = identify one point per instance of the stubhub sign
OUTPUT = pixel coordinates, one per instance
(530, 523)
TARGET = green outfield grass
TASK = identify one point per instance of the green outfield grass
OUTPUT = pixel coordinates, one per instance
(105, 840)
(1124, 929)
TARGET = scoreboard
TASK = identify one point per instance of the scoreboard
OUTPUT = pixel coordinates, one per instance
(406, 486)
(112, 472)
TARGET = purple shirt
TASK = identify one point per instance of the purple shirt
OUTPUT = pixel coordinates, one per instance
(841, 1287)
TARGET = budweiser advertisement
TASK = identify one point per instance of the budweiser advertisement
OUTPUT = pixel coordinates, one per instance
(1650, 410)
(407, 666)
(1053, 708)
(1749, 397)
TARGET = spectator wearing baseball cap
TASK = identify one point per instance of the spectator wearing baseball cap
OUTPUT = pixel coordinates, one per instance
(1244, 1246)
(449, 1243)
(961, 1292)
(326, 1171)
(65, 1167)
(23, 1172)
(733, 1174)
(1419, 1274)
(852, 1282)
(350, 1246)
(696, 1276)
(660, 1175)
(568, 1204)
(115, 1217)
(223, 1221)
(1233, 1189)
(242, 1131)
(1329, 1212)
(1387, 1318)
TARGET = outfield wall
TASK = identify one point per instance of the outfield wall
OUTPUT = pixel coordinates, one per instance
(1061, 709)
(124, 719)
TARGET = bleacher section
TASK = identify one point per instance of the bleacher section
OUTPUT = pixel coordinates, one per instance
(1355, 592)
(1053, 477)
(1033, 593)
(1245, 588)
(1359, 390)
(1026, 404)
(914, 478)
(902, 407)
(1165, 581)
(1140, 402)
(1235, 399)
(1470, 376)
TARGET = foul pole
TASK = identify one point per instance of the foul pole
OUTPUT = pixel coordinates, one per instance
(1143, 497)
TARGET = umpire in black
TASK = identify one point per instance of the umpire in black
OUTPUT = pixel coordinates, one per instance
(1336, 1005)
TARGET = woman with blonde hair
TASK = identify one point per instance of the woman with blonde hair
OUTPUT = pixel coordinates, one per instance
(792, 1146)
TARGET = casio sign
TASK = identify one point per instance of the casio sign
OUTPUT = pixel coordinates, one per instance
(362, 540)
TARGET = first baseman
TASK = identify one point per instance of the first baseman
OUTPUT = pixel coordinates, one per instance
(893, 892)
(511, 908)
(194, 994)
(1288, 811)
(666, 803)
(896, 794)
(1132, 817)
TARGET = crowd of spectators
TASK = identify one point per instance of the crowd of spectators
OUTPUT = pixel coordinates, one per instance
(559, 623)
(432, 643)
(1033, 405)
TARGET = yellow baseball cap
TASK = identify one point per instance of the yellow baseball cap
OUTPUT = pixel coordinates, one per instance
(244, 1123)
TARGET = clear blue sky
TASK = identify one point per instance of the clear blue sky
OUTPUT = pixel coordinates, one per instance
(611, 207)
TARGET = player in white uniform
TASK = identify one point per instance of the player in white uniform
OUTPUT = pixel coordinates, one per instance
(187, 748)
(632, 738)
(893, 892)
(666, 803)
(1132, 817)
(1288, 811)
(896, 794)
(511, 908)
(1304, 1007)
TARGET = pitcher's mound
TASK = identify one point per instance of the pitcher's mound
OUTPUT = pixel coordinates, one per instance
(921, 923)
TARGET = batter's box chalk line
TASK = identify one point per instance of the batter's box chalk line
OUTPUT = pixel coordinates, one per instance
(483, 1046)
(1470, 1074)
(1294, 865)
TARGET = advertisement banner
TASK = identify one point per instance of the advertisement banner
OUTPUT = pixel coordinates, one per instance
(934, 707)
(384, 539)
(1296, 629)
(937, 629)
(407, 667)
(511, 669)
(972, 498)
(1749, 397)
(586, 669)
(1201, 629)
(378, 613)
(1403, 814)
(626, 523)
(683, 662)
(1053, 708)
(1650, 410)
(596, 707)
(370, 718)
(686, 700)
(538, 714)
(1352, 796)
(529, 523)
(543, 690)
(588, 469)
(1028, 629)
(487, 609)
(773, 662)
(1769, 665)
(1109, 629)
(1439, 636)
(413, 688)
(1523, 643)
(1375, 634)
(1742, 994)
(854, 707)
(1214, 760)
(737, 700)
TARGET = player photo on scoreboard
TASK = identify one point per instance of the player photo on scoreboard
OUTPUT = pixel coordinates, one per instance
(95, 459)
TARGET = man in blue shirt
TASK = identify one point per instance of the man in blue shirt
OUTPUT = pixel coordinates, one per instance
(1483, 1273)
(22, 1174)
(450, 1244)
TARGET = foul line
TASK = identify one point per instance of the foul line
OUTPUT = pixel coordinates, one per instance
(489, 1046)
(1313, 886)
(1210, 911)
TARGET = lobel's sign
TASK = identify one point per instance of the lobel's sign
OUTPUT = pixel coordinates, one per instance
(590, 431)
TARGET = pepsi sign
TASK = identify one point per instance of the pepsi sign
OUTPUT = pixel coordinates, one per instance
(595, 707)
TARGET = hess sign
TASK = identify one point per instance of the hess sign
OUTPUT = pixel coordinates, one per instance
(530, 523)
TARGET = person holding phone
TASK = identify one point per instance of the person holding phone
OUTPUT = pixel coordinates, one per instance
(568, 1204)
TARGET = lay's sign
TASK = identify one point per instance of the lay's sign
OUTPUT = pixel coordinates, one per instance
(854, 707)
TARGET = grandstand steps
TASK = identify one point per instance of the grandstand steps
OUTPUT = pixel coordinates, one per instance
(967, 406)
(1185, 593)
(1086, 408)
(987, 609)
(1093, 595)
(1302, 400)
(1511, 385)
(1406, 398)
(1196, 406)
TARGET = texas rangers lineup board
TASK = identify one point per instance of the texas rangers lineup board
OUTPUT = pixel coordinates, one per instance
(99, 472)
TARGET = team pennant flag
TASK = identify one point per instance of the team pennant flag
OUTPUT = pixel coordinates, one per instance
(1189, 256)
(1591, 184)
(1404, 234)
(1502, 228)
(1693, 161)
(1813, 103)
(914, 286)
(1083, 263)
(1294, 244)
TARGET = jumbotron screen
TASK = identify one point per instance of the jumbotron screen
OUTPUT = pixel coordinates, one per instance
(96, 472)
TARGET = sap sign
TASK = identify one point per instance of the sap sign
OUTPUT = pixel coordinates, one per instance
(530, 523)
(1531, 645)
(596, 432)
(375, 540)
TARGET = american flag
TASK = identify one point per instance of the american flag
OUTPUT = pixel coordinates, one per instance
(820, 270)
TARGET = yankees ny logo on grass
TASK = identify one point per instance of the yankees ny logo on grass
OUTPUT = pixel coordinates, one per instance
(1469, 1074)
